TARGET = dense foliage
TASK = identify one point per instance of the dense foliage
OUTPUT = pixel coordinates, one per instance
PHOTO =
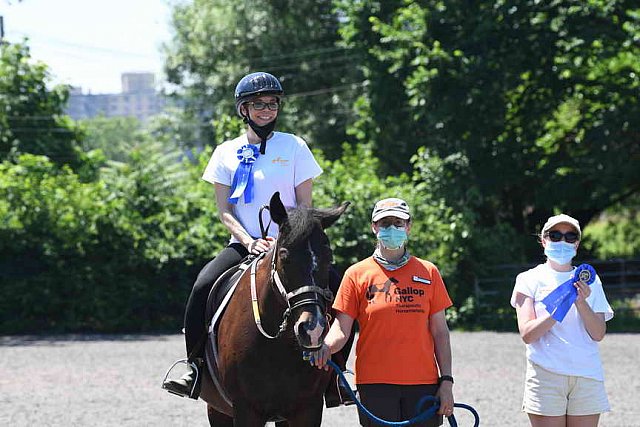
(485, 116)
(539, 99)
(115, 254)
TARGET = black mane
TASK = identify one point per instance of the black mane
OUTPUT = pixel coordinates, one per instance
(299, 226)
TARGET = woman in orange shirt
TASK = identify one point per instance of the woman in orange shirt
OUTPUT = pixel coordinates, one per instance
(403, 351)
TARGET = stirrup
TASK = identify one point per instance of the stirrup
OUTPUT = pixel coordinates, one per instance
(192, 391)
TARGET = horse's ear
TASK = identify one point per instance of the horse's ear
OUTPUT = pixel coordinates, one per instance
(329, 216)
(276, 209)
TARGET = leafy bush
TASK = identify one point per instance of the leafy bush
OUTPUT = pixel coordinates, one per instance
(437, 231)
(116, 254)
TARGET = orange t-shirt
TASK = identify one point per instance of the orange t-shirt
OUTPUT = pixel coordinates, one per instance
(392, 308)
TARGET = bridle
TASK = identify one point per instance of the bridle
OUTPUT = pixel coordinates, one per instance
(307, 295)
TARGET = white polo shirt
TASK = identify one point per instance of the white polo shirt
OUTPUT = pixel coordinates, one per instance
(287, 163)
(567, 348)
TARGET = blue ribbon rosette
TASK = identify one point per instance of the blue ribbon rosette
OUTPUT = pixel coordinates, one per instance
(243, 177)
(560, 300)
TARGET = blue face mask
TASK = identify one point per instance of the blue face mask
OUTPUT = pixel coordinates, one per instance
(560, 252)
(392, 237)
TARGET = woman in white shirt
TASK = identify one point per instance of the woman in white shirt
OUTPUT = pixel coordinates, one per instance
(246, 172)
(564, 383)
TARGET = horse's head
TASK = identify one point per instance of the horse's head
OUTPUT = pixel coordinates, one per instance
(302, 260)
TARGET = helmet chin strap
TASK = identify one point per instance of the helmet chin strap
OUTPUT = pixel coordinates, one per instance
(263, 132)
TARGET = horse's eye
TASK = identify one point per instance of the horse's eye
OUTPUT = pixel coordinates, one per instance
(283, 254)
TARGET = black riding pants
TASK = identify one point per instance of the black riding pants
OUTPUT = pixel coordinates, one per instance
(194, 321)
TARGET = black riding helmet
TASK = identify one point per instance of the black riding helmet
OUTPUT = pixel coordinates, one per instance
(256, 84)
(250, 86)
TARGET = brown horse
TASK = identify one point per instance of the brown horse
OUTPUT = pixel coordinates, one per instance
(260, 374)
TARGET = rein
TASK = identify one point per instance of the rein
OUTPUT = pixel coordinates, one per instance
(263, 231)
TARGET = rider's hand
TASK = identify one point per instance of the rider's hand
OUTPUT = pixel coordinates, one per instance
(445, 394)
(319, 357)
(258, 246)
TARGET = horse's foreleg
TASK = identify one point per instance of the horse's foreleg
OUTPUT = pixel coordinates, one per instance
(308, 416)
(245, 416)
(218, 419)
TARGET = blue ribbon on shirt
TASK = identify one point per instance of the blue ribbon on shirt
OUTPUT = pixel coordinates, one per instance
(560, 300)
(243, 177)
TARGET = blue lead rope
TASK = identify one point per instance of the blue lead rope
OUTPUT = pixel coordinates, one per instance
(422, 415)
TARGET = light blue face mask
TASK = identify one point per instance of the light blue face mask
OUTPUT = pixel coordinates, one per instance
(392, 237)
(560, 252)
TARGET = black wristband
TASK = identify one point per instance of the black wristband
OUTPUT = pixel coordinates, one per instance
(445, 378)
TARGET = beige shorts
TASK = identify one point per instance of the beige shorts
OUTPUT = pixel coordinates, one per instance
(550, 394)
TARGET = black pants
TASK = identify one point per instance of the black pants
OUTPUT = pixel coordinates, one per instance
(194, 322)
(393, 402)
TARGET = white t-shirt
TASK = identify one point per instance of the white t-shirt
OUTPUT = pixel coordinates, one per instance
(287, 163)
(567, 348)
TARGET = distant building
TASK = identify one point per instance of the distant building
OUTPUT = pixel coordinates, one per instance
(138, 82)
(138, 99)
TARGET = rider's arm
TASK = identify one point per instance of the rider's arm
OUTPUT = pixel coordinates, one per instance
(304, 193)
(225, 213)
(531, 327)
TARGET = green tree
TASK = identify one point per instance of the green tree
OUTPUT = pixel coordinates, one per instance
(32, 118)
(438, 233)
(385, 116)
(616, 233)
(217, 42)
(540, 99)
(114, 136)
(118, 253)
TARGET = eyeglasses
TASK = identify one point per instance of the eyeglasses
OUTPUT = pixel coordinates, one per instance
(556, 236)
(259, 106)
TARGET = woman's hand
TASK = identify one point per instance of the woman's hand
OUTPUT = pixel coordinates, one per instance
(445, 394)
(258, 246)
(584, 291)
(320, 357)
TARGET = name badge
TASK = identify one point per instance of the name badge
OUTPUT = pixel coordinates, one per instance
(421, 280)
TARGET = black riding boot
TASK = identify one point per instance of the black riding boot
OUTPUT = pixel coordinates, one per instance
(189, 384)
(195, 324)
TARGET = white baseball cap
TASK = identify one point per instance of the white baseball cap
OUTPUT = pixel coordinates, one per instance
(562, 218)
(390, 207)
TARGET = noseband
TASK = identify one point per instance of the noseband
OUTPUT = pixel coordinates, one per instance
(295, 299)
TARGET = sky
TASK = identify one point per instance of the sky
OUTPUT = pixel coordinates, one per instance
(90, 43)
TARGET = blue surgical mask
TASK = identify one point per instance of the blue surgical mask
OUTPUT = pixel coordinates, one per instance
(392, 237)
(560, 252)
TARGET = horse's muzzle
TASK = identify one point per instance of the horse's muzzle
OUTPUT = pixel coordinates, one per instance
(310, 328)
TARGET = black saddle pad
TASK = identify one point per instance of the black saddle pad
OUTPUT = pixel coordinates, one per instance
(222, 286)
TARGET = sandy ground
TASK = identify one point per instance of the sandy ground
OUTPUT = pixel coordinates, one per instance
(115, 381)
